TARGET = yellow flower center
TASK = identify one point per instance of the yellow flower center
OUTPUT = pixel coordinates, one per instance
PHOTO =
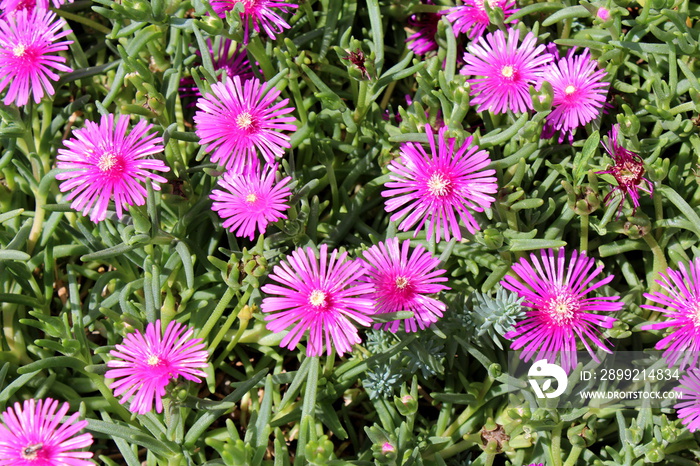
(570, 89)
(30, 452)
(244, 120)
(153, 360)
(401, 282)
(19, 50)
(107, 161)
(250, 198)
(507, 71)
(317, 298)
(438, 185)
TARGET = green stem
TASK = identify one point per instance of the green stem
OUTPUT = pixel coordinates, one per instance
(660, 263)
(229, 320)
(470, 410)
(361, 104)
(37, 223)
(216, 315)
(584, 233)
(573, 456)
(555, 446)
(307, 410)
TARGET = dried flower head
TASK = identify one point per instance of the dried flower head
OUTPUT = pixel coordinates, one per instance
(358, 58)
(555, 289)
(103, 162)
(29, 57)
(33, 434)
(628, 171)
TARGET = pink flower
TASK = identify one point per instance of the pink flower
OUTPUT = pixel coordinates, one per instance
(260, 12)
(323, 297)
(32, 434)
(28, 53)
(239, 118)
(679, 300)
(579, 92)
(251, 199)
(561, 314)
(435, 189)
(145, 364)
(628, 170)
(403, 283)
(688, 410)
(426, 26)
(104, 162)
(506, 71)
(603, 14)
(472, 19)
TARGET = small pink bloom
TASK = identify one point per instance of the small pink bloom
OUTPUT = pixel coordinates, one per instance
(261, 12)
(628, 170)
(237, 119)
(403, 283)
(579, 92)
(425, 26)
(472, 19)
(33, 434)
(603, 14)
(251, 199)
(29, 54)
(440, 188)
(679, 301)
(561, 315)
(506, 71)
(320, 295)
(688, 409)
(104, 163)
(145, 364)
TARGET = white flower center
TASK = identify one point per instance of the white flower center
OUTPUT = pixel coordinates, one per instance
(401, 282)
(562, 308)
(30, 451)
(507, 71)
(244, 120)
(570, 89)
(317, 298)
(153, 360)
(19, 50)
(438, 185)
(250, 198)
(107, 161)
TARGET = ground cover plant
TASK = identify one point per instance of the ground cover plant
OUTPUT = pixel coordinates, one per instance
(264, 232)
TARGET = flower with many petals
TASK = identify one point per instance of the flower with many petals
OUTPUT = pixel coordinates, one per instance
(679, 301)
(404, 282)
(688, 409)
(440, 188)
(145, 364)
(103, 162)
(260, 12)
(628, 171)
(29, 57)
(425, 26)
(471, 17)
(555, 289)
(579, 93)
(321, 295)
(251, 199)
(33, 434)
(505, 71)
(240, 118)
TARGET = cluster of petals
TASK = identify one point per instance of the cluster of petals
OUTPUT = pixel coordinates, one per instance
(688, 410)
(33, 434)
(102, 162)
(425, 26)
(440, 188)
(239, 119)
(11, 7)
(560, 314)
(144, 364)
(471, 17)
(579, 93)
(505, 70)
(251, 199)
(261, 13)
(29, 59)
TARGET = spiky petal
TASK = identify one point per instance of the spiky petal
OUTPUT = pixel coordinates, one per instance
(261, 13)
(471, 17)
(688, 410)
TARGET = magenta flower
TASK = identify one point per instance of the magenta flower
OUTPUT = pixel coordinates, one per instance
(628, 170)
(32, 434)
(251, 199)
(104, 163)
(506, 71)
(403, 283)
(472, 19)
(688, 410)
(261, 12)
(145, 364)
(239, 118)
(555, 290)
(323, 297)
(11, 7)
(426, 26)
(29, 54)
(435, 189)
(228, 58)
(679, 300)
(579, 92)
